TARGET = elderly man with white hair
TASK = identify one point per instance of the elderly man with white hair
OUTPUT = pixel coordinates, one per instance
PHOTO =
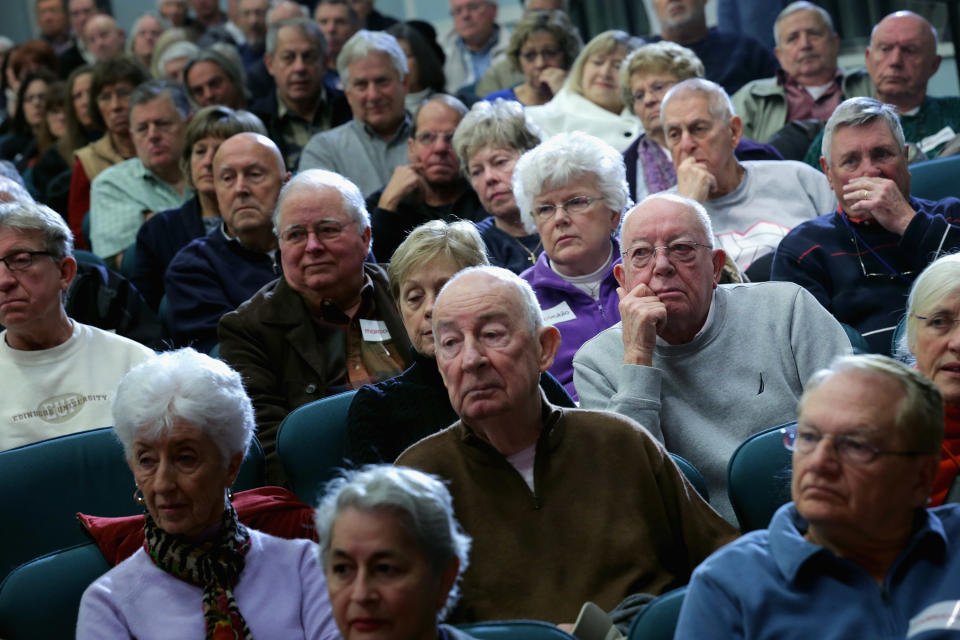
(701, 365)
(855, 554)
(330, 323)
(526, 475)
(59, 376)
(368, 148)
(753, 203)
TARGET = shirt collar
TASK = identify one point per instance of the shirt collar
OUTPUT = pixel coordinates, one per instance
(330, 312)
(490, 44)
(403, 131)
(283, 110)
(783, 79)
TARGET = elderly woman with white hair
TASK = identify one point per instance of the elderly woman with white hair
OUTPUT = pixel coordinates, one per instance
(932, 341)
(185, 423)
(572, 189)
(590, 100)
(393, 553)
(488, 142)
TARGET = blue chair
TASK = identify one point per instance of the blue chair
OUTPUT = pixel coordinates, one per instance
(758, 478)
(693, 475)
(857, 341)
(41, 598)
(935, 179)
(312, 444)
(88, 257)
(46, 483)
(658, 620)
(515, 630)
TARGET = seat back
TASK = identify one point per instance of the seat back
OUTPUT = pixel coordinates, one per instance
(312, 444)
(935, 179)
(41, 598)
(693, 475)
(758, 478)
(48, 482)
(515, 630)
(658, 620)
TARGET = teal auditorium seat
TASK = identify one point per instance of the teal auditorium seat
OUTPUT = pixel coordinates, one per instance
(46, 483)
(857, 341)
(935, 179)
(658, 620)
(758, 478)
(693, 475)
(41, 598)
(515, 630)
(312, 444)
(88, 257)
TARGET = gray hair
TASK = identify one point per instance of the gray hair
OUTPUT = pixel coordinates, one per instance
(503, 124)
(153, 89)
(181, 49)
(304, 13)
(420, 501)
(531, 306)
(659, 57)
(307, 27)
(128, 49)
(858, 112)
(232, 68)
(562, 159)
(939, 280)
(365, 43)
(718, 102)
(458, 241)
(801, 5)
(445, 98)
(703, 218)
(9, 170)
(187, 386)
(27, 215)
(920, 414)
(316, 179)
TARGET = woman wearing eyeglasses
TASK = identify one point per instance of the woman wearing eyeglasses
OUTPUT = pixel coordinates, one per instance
(933, 342)
(572, 189)
(543, 46)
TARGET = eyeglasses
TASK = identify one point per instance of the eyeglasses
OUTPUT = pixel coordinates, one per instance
(939, 323)
(22, 260)
(531, 56)
(657, 89)
(429, 138)
(849, 448)
(677, 252)
(573, 206)
(323, 229)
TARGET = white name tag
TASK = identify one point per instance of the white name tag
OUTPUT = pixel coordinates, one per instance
(558, 314)
(933, 141)
(374, 330)
(937, 617)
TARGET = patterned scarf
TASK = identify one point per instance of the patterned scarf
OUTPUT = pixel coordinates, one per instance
(213, 565)
(658, 171)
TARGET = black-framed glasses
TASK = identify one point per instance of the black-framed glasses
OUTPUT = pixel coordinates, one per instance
(22, 260)
(849, 448)
(680, 251)
(573, 206)
(328, 229)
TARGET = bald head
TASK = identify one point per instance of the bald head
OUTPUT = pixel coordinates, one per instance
(248, 172)
(901, 59)
(285, 11)
(103, 37)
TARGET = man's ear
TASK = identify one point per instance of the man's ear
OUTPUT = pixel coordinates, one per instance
(68, 270)
(719, 259)
(549, 345)
(620, 274)
(736, 128)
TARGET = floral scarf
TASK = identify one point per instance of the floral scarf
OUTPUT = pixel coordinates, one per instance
(214, 565)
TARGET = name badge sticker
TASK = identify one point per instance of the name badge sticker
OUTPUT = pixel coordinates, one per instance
(931, 142)
(941, 616)
(374, 330)
(558, 314)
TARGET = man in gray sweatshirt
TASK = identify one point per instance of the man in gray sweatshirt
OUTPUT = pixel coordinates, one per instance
(701, 366)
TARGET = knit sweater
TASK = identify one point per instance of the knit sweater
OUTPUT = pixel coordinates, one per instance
(823, 256)
(744, 372)
(611, 515)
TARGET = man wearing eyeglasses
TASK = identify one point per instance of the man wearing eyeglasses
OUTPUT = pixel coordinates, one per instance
(215, 273)
(860, 259)
(431, 187)
(59, 375)
(701, 365)
(330, 324)
(855, 554)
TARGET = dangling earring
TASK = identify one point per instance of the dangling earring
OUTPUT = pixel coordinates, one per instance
(229, 494)
(138, 496)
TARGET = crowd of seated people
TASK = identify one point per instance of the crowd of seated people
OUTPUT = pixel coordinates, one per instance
(542, 266)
